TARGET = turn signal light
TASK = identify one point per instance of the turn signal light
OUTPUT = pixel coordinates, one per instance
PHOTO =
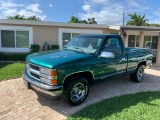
(54, 82)
(53, 73)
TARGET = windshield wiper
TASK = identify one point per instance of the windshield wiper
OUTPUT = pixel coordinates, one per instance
(78, 48)
(65, 48)
(81, 50)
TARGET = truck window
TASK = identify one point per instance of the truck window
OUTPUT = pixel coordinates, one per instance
(87, 44)
(113, 45)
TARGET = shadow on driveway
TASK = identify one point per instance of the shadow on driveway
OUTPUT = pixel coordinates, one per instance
(101, 91)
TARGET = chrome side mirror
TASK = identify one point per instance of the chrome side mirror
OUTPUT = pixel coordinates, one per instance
(107, 54)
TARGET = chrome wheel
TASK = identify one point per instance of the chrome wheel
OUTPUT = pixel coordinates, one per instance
(140, 74)
(79, 92)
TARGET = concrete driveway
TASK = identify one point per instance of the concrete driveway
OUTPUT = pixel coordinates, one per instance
(18, 103)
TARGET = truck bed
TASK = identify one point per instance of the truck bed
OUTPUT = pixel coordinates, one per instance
(135, 55)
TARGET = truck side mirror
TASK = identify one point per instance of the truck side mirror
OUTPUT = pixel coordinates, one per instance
(107, 54)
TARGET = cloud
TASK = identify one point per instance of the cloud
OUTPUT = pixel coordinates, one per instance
(6, 5)
(9, 8)
(157, 13)
(132, 3)
(30, 13)
(105, 15)
(50, 5)
(34, 8)
(99, 1)
(110, 12)
(9, 12)
(156, 19)
(86, 8)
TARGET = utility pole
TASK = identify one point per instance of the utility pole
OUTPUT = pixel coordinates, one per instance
(123, 17)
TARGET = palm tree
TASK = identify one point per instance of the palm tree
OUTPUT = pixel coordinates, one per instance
(137, 20)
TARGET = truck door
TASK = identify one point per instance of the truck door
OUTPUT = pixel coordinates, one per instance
(111, 66)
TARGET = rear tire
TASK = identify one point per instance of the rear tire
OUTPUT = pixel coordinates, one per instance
(138, 75)
(75, 91)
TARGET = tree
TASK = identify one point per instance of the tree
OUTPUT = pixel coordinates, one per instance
(137, 20)
(34, 18)
(22, 17)
(91, 21)
(153, 25)
(17, 17)
(76, 20)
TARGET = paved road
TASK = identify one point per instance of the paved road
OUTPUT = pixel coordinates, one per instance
(18, 103)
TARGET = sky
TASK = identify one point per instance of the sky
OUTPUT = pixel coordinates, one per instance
(104, 11)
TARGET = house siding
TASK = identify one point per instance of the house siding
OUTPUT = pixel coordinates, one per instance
(50, 34)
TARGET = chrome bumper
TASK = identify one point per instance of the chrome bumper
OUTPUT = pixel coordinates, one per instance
(56, 90)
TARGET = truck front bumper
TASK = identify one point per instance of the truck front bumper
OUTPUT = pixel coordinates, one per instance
(54, 90)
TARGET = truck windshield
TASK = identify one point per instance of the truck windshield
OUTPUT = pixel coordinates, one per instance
(86, 44)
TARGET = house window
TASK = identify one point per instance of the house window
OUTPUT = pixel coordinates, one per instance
(22, 39)
(7, 38)
(15, 38)
(150, 42)
(65, 34)
(68, 36)
(133, 41)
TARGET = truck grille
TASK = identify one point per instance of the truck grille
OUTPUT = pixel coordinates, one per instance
(34, 75)
(32, 70)
(34, 67)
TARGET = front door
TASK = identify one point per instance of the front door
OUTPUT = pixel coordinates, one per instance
(111, 66)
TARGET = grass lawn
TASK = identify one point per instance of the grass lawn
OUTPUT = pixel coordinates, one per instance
(11, 70)
(140, 106)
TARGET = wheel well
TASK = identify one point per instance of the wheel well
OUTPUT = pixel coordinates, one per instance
(87, 75)
(142, 63)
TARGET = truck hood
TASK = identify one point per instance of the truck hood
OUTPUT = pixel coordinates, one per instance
(52, 58)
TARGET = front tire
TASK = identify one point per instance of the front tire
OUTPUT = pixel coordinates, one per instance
(138, 75)
(75, 91)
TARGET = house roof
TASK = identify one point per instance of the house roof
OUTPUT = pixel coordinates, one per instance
(47, 23)
(143, 28)
(64, 24)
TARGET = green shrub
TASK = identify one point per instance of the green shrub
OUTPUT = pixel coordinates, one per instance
(54, 47)
(3, 56)
(34, 48)
(13, 56)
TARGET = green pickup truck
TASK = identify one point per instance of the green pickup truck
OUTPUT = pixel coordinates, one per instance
(85, 60)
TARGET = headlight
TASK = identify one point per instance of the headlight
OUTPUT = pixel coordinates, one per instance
(48, 72)
(50, 81)
(45, 71)
(45, 80)
(52, 76)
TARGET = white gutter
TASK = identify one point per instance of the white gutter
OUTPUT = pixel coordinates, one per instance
(115, 27)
